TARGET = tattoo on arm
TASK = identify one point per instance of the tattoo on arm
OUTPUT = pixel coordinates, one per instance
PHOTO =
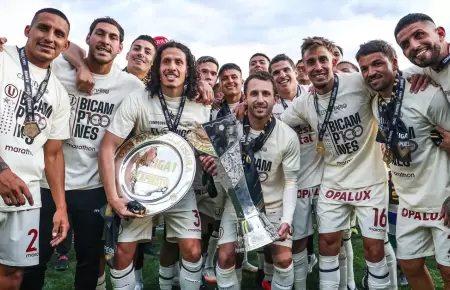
(3, 165)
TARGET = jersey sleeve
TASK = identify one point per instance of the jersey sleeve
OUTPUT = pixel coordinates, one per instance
(295, 115)
(439, 110)
(125, 118)
(413, 70)
(60, 66)
(291, 155)
(61, 125)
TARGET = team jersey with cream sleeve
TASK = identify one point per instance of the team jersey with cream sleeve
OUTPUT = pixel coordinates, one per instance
(143, 113)
(280, 153)
(25, 156)
(424, 183)
(352, 159)
(311, 169)
(442, 77)
(90, 116)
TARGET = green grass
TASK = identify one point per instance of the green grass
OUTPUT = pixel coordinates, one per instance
(64, 280)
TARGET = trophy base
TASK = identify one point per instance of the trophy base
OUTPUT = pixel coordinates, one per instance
(255, 232)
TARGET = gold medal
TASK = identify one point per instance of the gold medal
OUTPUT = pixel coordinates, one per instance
(320, 148)
(388, 156)
(31, 129)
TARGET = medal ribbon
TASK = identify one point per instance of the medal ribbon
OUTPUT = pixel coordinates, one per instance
(334, 91)
(172, 124)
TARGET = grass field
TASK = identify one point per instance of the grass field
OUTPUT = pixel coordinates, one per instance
(64, 280)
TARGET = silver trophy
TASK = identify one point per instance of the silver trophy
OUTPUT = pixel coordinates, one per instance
(220, 138)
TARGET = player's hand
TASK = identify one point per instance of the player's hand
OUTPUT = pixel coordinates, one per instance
(3, 40)
(120, 208)
(240, 111)
(283, 231)
(209, 165)
(419, 82)
(60, 227)
(445, 144)
(218, 101)
(13, 190)
(85, 80)
(205, 93)
(312, 89)
(445, 212)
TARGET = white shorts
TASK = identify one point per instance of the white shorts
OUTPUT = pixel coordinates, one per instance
(421, 235)
(19, 238)
(212, 207)
(370, 203)
(182, 222)
(228, 230)
(302, 223)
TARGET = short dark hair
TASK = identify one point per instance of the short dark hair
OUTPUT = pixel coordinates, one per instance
(259, 54)
(299, 61)
(206, 58)
(350, 63)
(229, 66)
(410, 19)
(340, 49)
(146, 38)
(281, 57)
(315, 42)
(51, 11)
(110, 21)
(375, 46)
(262, 76)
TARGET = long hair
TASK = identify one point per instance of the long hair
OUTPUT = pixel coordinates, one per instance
(192, 76)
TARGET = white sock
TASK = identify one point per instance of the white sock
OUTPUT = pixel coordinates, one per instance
(239, 275)
(283, 279)
(191, 275)
(329, 272)
(268, 272)
(123, 279)
(342, 269)
(392, 264)
(227, 279)
(176, 268)
(300, 261)
(101, 282)
(378, 275)
(347, 235)
(211, 252)
(138, 276)
(260, 259)
(166, 275)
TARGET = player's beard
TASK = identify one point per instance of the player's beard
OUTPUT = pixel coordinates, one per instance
(433, 60)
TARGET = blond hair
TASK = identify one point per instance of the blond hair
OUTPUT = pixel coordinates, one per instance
(315, 42)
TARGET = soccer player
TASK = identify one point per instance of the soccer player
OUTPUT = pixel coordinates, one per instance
(302, 78)
(346, 67)
(172, 88)
(278, 182)
(90, 116)
(420, 170)
(140, 57)
(258, 62)
(354, 175)
(310, 174)
(35, 110)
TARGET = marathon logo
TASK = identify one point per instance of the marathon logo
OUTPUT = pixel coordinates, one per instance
(348, 196)
(421, 216)
(307, 193)
(19, 150)
(32, 255)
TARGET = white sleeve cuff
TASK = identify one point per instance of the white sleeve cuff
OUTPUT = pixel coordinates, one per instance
(289, 196)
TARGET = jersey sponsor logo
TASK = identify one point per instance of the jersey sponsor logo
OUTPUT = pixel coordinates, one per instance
(19, 150)
(81, 147)
(34, 83)
(335, 108)
(263, 165)
(345, 133)
(421, 216)
(11, 91)
(304, 134)
(405, 175)
(100, 91)
(348, 195)
(308, 192)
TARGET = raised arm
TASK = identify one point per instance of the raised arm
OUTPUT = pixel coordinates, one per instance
(75, 55)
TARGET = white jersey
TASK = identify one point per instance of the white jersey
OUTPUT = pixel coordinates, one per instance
(442, 77)
(311, 169)
(90, 116)
(143, 113)
(424, 183)
(25, 156)
(353, 159)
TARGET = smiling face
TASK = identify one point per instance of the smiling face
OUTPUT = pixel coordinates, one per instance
(104, 43)
(319, 65)
(378, 71)
(208, 72)
(173, 68)
(141, 55)
(258, 63)
(284, 75)
(231, 82)
(260, 98)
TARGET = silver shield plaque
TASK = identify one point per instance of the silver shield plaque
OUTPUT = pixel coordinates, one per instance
(155, 170)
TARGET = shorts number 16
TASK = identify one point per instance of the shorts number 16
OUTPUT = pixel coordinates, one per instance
(379, 219)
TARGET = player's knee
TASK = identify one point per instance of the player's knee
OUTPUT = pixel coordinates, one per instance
(124, 255)
(299, 245)
(374, 250)
(226, 257)
(413, 267)
(329, 244)
(445, 273)
(283, 263)
(191, 251)
(12, 277)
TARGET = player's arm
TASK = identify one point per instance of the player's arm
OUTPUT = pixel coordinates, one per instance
(121, 126)
(291, 166)
(75, 55)
(12, 189)
(55, 173)
(295, 114)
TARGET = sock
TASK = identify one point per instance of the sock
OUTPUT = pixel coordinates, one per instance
(283, 279)
(166, 275)
(310, 245)
(227, 279)
(329, 272)
(123, 279)
(268, 272)
(176, 269)
(260, 259)
(191, 275)
(300, 261)
(392, 264)
(101, 282)
(211, 252)
(239, 275)
(349, 252)
(245, 257)
(342, 269)
(138, 276)
(378, 275)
